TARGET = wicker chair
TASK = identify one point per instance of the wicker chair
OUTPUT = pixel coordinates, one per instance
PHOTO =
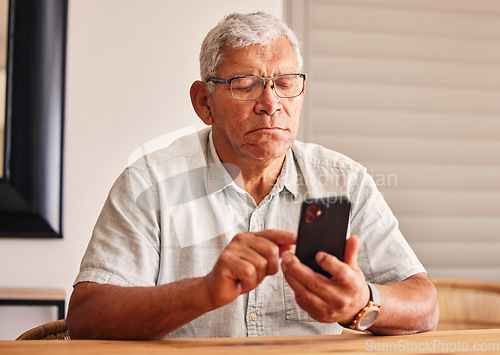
(467, 304)
(56, 330)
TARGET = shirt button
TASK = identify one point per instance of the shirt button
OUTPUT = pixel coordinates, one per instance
(253, 317)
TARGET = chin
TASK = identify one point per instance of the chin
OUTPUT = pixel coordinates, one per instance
(271, 150)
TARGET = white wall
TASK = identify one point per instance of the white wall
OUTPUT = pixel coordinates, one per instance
(130, 64)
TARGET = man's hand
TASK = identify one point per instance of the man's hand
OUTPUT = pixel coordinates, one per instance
(245, 262)
(408, 306)
(114, 312)
(337, 299)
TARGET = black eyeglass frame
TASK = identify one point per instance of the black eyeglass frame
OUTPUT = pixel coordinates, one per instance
(217, 80)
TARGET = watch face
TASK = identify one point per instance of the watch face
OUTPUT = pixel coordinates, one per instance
(368, 319)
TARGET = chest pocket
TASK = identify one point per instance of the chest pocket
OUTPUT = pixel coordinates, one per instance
(292, 310)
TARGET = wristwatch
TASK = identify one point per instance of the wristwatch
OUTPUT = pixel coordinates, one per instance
(368, 315)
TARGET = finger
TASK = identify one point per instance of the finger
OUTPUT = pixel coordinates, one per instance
(290, 263)
(279, 237)
(245, 275)
(333, 265)
(295, 284)
(305, 294)
(264, 254)
(351, 251)
(263, 244)
(329, 263)
(228, 278)
(311, 280)
(284, 248)
(343, 275)
(261, 252)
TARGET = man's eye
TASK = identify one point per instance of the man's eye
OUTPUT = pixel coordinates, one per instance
(286, 82)
(248, 88)
(246, 85)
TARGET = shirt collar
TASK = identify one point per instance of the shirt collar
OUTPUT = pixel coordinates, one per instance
(288, 178)
(217, 176)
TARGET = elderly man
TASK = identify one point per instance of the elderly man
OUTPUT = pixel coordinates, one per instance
(195, 240)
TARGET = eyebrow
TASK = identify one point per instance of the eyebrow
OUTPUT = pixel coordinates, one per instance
(236, 75)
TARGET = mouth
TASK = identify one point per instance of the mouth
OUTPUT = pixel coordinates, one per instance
(267, 130)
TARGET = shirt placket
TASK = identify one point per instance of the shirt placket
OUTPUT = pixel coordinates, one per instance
(255, 325)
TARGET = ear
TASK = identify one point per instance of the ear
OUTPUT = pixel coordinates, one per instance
(199, 100)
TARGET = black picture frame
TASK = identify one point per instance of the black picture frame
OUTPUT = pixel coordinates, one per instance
(31, 186)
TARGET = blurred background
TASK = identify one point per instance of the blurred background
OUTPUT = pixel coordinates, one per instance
(411, 89)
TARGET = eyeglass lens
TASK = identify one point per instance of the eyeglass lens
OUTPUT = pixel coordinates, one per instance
(251, 87)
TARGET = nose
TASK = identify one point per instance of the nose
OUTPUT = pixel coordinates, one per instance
(268, 102)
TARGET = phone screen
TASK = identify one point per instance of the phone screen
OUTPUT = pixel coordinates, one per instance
(323, 226)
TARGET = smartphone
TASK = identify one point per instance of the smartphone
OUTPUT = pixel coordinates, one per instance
(323, 226)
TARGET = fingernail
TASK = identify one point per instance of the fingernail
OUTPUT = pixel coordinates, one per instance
(284, 267)
(319, 257)
(286, 257)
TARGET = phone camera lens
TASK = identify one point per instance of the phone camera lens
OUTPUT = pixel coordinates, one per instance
(311, 209)
(310, 218)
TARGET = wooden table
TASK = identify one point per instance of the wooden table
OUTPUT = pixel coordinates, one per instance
(426, 343)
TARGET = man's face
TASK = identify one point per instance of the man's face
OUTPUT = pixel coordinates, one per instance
(262, 129)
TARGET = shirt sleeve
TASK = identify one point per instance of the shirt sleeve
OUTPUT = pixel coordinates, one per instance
(125, 246)
(384, 255)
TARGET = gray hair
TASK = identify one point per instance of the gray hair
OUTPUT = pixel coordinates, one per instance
(240, 31)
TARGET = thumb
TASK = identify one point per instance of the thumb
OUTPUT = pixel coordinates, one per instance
(351, 252)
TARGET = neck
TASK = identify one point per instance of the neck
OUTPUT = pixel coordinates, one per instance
(257, 178)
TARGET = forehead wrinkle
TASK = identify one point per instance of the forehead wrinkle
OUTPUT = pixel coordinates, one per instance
(258, 60)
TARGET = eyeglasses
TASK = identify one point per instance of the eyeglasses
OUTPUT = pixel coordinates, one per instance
(248, 88)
